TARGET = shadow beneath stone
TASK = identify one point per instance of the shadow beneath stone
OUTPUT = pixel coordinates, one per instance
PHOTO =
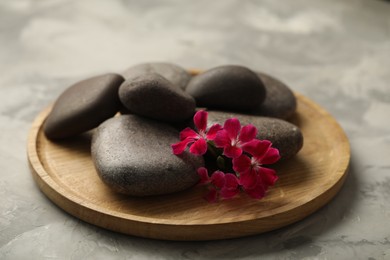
(295, 119)
(80, 143)
(292, 169)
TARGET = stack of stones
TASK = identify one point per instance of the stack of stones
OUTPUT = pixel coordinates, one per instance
(131, 150)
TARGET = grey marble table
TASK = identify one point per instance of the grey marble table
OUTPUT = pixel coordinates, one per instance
(335, 52)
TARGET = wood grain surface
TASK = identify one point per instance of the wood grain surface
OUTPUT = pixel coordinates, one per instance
(65, 174)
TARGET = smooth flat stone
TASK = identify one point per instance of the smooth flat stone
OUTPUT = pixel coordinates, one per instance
(133, 155)
(285, 136)
(153, 96)
(83, 106)
(174, 73)
(280, 101)
(233, 88)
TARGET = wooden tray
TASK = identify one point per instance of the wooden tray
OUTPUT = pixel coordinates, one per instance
(65, 173)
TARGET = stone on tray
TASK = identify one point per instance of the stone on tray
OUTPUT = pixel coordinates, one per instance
(227, 87)
(83, 106)
(153, 96)
(175, 74)
(279, 102)
(133, 156)
(285, 136)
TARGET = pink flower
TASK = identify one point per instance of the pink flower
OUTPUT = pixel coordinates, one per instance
(220, 184)
(248, 156)
(232, 137)
(254, 178)
(196, 140)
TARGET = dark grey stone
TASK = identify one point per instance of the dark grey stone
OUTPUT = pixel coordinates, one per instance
(133, 156)
(174, 73)
(84, 106)
(285, 136)
(153, 96)
(280, 101)
(229, 87)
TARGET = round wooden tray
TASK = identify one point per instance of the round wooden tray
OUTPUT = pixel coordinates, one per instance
(65, 173)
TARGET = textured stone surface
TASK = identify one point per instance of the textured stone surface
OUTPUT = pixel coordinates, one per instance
(227, 87)
(283, 135)
(335, 52)
(84, 106)
(133, 156)
(172, 72)
(279, 102)
(153, 96)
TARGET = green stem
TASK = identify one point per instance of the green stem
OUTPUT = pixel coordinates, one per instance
(221, 163)
(212, 149)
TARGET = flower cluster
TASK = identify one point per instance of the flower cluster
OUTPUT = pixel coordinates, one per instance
(239, 156)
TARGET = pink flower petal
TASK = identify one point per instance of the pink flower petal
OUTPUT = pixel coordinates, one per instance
(222, 139)
(228, 193)
(212, 133)
(248, 179)
(200, 120)
(257, 192)
(247, 133)
(188, 133)
(271, 156)
(257, 148)
(199, 147)
(212, 195)
(232, 126)
(218, 179)
(204, 175)
(232, 151)
(179, 147)
(231, 181)
(231, 186)
(241, 163)
(268, 176)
